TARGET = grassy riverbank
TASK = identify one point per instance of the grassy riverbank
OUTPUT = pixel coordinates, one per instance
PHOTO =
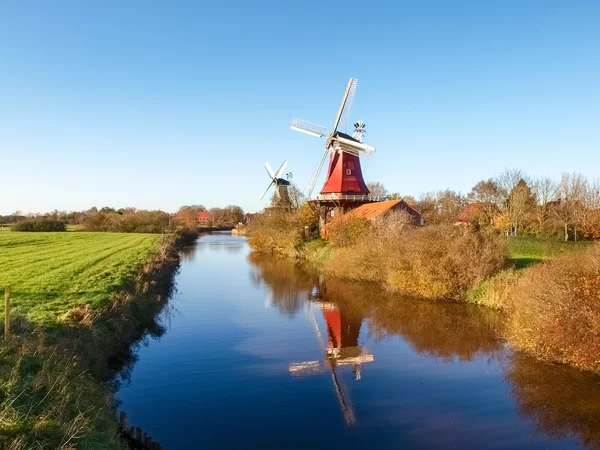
(551, 301)
(548, 289)
(80, 301)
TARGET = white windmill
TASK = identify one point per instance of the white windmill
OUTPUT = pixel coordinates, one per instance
(350, 147)
(281, 198)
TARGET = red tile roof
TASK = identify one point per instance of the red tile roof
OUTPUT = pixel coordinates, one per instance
(373, 210)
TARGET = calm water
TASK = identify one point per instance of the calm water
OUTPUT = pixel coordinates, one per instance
(261, 355)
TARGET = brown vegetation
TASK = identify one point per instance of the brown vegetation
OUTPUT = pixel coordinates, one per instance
(128, 221)
(281, 233)
(40, 224)
(555, 312)
(438, 262)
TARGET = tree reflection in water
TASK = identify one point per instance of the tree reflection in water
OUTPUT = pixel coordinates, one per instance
(289, 287)
(559, 400)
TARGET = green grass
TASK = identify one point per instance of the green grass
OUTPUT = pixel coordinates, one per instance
(49, 273)
(526, 251)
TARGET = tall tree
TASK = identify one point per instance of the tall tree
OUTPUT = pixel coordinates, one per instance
(489, 197)
(520, 201)
(441, 206)
(544, 190)
(569, 201)
(514, 186)
(377, 189)
(297, 197)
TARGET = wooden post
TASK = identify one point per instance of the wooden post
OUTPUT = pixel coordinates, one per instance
(6, 312)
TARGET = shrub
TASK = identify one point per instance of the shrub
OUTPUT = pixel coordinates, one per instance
(130, 221)
(40, 224)
(346, 230)
(494, 291)
(437, 262)
(279, 232)
(555, 311)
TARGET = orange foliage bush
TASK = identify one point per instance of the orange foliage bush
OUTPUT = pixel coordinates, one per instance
(345, 230)
(555, 310)
(437, 262)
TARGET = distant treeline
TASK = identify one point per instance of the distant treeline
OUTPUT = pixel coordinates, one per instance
(567, 208)
(128, 220)
(39, 224)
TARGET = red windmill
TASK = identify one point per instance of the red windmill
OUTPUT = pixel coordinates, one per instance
(341, 350)
(344, 186)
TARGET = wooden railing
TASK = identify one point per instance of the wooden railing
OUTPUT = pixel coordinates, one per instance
(349, 197)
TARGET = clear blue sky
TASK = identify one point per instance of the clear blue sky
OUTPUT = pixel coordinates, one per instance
(160, 104)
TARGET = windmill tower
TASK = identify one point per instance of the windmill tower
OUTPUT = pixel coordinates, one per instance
(281, 198)
(344, 187)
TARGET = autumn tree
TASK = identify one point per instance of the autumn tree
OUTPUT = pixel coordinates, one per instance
(489, 197)
(520, 200)
(441, 206)
(229, 216)
(518, 196)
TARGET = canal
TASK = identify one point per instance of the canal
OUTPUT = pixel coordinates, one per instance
(260, 354)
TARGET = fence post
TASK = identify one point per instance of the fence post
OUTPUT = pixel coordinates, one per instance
(6, 312)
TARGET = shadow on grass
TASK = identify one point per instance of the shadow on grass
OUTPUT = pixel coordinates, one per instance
(524, 262)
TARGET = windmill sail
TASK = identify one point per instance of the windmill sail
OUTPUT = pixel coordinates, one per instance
(346, 102)
(309, 128)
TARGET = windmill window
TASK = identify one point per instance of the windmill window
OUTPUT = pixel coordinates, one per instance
(348, 171)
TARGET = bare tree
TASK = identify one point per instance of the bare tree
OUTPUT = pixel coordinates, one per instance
(591, 198)
(569, 198)
(544, 190)
(589, 217)
(513, 184)
(441, 206)
(297, 197)
(377, 189)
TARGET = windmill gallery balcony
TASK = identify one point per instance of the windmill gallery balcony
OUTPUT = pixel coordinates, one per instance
(333, 197)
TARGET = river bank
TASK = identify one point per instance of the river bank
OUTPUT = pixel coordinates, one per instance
(546, 289)
(57, 370)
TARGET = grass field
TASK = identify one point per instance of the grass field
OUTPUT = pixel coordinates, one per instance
(49, 273)
(526, 251)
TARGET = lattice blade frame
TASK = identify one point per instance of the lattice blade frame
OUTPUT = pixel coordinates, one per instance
(309, 128)
(348, 95)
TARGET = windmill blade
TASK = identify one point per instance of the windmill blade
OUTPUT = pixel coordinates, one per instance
(350, 143)
(280, 171)
(346, 101)
(269, 170)
(315, 176)
(266, 190)
(309, 128)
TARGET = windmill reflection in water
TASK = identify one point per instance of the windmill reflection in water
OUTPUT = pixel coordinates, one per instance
(341, 349)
